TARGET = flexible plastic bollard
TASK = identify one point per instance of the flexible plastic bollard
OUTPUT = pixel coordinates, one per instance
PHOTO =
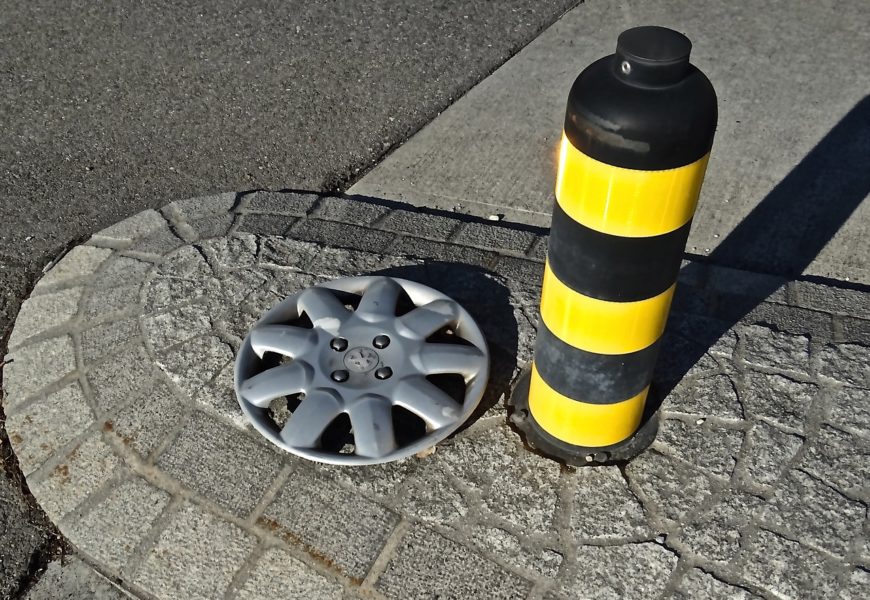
(638, 132)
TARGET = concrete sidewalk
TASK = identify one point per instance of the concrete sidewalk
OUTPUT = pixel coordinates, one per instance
(785, 77)
(121, 410)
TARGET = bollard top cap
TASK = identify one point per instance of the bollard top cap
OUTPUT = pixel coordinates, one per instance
(652, 55)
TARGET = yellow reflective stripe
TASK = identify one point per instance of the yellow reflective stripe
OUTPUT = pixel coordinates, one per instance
(598, 325)
(626, 202)
(581, 423)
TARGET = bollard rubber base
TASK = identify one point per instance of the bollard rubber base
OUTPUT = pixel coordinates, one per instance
(576, 456)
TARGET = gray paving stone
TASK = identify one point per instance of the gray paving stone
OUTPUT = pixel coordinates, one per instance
(605, 509)
(715, 533)
(697, 327)
(526, 495)
(538, 250)
(840, 459)
(195, 362)
(776, 350)
(45, 426)
(265, 224)
(857, 584)
(442, 252)
(816, 513)
(698, 585)
(30, 368)
(176, 326)
(120, 377)
(725, 280)
(497, 542)
(494, 237)
(380, 481)
(188, 262)
(219, 397)
(770, 452)
(69, 578)
(330, 263)
(349, 211)
(112, 300)
(431, 499)
(160, 241)
(850, 409)
(342, 235)
(853, 330)
(706, 445)
(831, 299)
(42, 313)
(714, 395)
(106, 338)
(79, 474)
(145, 422)
(280, 202)
(671, 365)
(122, 270)
(81, 261)
(195, 557)
(206, 205)
(234, 252)
(520, 271)
(211, 226)
(132, 228)
(518, 486)
(166, 292)
(419, 224)
(788, 569)
(778, 398)
(283, 252)
(113, 528)
(276, 574)
(633, 571)
(670, 489)
(237, 285)
(427, 565)
(847, 363)
(221, 464)
(786, 319)
(343, 528)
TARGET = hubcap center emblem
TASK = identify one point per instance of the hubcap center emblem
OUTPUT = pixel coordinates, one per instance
(361, 359)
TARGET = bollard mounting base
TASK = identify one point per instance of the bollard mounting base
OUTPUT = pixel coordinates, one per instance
(576, 456)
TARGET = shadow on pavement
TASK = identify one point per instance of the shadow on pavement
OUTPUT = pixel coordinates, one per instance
(788, 228)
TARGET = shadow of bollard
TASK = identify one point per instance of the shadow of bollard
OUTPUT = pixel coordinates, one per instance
(776, 241)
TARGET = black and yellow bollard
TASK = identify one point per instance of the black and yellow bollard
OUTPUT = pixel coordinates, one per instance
(638, 132)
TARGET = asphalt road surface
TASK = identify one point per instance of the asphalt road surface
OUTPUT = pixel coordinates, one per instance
(110, 108)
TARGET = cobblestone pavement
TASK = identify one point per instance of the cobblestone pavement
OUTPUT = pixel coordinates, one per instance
(121, 410)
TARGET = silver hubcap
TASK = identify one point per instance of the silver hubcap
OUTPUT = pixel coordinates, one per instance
(363, 385)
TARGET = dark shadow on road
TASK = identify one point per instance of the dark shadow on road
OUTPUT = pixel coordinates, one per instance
(784, 233)
(482, 294)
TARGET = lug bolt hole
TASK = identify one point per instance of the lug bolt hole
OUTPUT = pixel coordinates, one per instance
(338, 344)
(384, 373)
(340, 376)
(381, 341)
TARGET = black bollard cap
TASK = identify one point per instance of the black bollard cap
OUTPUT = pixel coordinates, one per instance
(652, 56)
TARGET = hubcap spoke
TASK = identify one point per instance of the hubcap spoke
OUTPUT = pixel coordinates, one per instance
(310, 419)
(283, 339)
(282, 380)
(323, 308)
(426, 320)
(437, 359)
(427, 401)
(379, 300)
(372, 421)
